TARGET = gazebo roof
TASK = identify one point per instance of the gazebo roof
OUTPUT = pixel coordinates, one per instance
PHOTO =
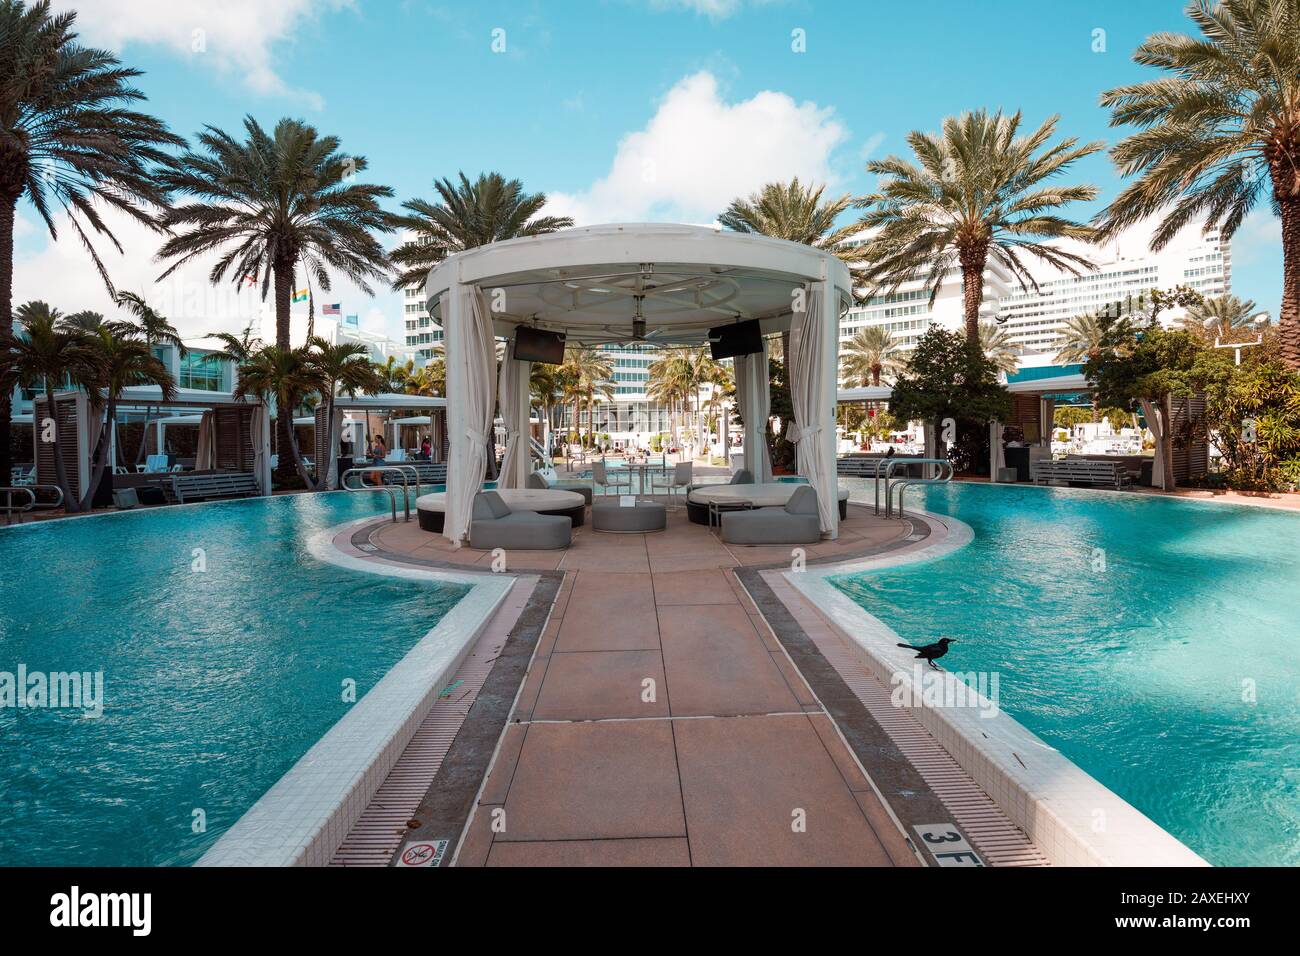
(589, 282)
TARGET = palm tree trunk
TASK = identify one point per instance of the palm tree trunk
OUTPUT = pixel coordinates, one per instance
(282, 271)
(1289, 319)
(7, 206)
(100, 458)
(972, 281)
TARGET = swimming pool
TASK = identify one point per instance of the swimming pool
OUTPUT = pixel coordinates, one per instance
(225, 647)
(1154, 641)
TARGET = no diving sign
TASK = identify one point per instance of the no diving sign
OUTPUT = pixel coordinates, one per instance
(422, 853)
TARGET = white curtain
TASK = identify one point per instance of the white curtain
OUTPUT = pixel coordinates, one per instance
(1154, 413)
(997, 454)
(206, 452)
(813, 418)
(754, 398)
(471, 389)
(514, 386)
(332, 451)
(259, 434)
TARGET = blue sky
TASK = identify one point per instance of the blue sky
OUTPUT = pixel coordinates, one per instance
(620, 109)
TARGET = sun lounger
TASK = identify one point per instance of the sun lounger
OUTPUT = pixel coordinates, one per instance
(796, 523)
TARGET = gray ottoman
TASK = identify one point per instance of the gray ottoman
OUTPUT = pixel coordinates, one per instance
(644, 516)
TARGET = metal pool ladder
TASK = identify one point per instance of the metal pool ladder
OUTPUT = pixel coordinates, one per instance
(902, 484)
(10, 509)
(403, 470)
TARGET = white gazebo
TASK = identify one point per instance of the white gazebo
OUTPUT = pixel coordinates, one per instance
(659, 284)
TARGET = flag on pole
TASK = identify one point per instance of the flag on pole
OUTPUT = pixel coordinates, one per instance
(352, 320)
(300, 295)
(335, 309)
(251, 280)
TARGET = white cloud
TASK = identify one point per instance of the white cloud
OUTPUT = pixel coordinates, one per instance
(713, 9)
(62, 274)
(698, 153)
(236, 37)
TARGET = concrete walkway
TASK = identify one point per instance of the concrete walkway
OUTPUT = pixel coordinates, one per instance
(662, 723)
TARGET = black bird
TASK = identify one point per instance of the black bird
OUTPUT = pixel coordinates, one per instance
(930, 652)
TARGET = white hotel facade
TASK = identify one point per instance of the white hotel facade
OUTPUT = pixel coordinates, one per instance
(1035, 319)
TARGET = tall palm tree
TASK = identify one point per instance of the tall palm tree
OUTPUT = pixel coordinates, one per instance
(287, 376)
(271, 204)
(589, 372)
(669, 382)
(797, 213)
(1218, 132)
(996, 344)
(125, 359)
(466, 215)
(49, 356)
(1221, 316)
(978, 191)
(869, 354)
(342, 369)
(85, 321)
(432, 379)
(1082, 337)
(545, 390)
(69, 144)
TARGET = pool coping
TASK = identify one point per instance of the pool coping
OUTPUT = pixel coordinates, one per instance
(307, 813)
(1070, 815)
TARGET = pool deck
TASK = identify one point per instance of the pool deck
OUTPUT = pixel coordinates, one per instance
(662, 720)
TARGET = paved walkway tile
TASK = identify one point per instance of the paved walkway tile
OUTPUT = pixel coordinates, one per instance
(667, 852)
(599, 780)
(716, 664)
(591, 685)
(748, 783)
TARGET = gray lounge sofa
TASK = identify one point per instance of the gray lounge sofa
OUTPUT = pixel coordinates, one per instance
(743, 476)
(796, 523)
(541, 482)
(493, 525)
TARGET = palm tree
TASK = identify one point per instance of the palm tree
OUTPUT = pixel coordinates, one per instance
(125, 360)
(394, 377)
(69, 144)
(869, 354)
(1082, 338)
(796, 212)
(467, 215)
(271, 204)
(154, 326)
(236, 348)
(287, 376)
(589, 372)
(669, 383)
(996, 344)
(1217, 133)
(50, 356)
(342, 369)
(155, 329)
(431, 380)
(84, 321)
(1221, 316)
(979, 192)
(545, 388)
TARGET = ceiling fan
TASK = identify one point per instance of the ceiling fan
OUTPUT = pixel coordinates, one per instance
(639, 333)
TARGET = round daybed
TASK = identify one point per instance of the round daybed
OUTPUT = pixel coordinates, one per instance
(771, 494)
(570, 504)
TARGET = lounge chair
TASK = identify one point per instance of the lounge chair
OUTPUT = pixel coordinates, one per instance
(796, 523)
(546, 479)
(743, 476)
(494, 525)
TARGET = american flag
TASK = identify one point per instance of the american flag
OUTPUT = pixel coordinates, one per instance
(334, 309)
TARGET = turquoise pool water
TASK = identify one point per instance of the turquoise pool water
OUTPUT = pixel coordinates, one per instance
(215, 681)
(1172, 676)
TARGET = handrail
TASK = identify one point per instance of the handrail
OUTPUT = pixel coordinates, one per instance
(9, 502)
(889, 472)
(904, 483)
(363, 470)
